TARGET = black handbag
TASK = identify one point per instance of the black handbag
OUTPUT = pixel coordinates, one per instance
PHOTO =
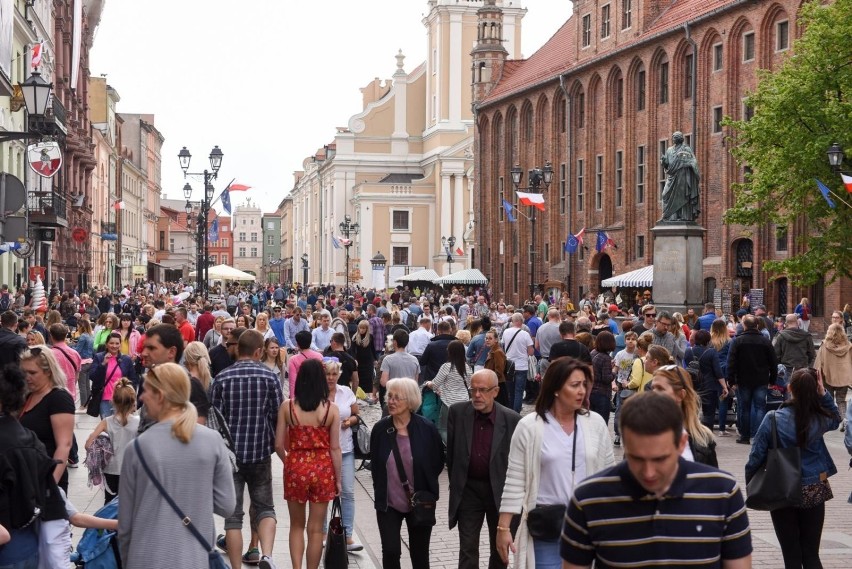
(544, 522)
(215, 559)
(422, 502)
(336, 555)
(93, 405)
(778, 483)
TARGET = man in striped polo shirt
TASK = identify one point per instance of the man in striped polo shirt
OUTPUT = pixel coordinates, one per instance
(655, 508)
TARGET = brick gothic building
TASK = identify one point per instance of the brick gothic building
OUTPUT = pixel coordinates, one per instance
(600, 101)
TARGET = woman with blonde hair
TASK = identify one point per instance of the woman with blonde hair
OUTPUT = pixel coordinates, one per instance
(49, 408)
(720, 340)
(166, 452)
(273, 357)
(196, 360)
(214, 335)
(34, 338)
(674, 381)
(261, 324)
(53, 317)
(803, 311)
(834, 361)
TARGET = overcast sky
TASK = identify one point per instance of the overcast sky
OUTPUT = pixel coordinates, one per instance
(266, 80)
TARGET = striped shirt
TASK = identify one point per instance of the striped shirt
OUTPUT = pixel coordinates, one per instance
(613, 521)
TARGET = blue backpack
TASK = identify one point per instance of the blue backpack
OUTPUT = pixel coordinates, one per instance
(98, 548)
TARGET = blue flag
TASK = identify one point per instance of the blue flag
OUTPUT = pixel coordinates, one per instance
(825, 191)
(571, 244)
(334, 242)
(226, 201)
(602, 239)
(213, 234)
(508, 207)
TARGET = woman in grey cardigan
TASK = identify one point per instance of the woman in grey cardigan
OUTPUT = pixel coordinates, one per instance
(190, 462)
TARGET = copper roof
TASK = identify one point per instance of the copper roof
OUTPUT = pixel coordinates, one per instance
(557, 56)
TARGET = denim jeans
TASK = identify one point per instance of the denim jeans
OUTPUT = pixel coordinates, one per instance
(600, 404)
(547, 554)
(518, 392)
(25, 564)
(751, 407)
(347, 494)
(723, 414)
(106, 409)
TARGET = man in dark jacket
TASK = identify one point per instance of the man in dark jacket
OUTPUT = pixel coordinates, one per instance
(752, 368)
(793, 346)
(435, 354)
(11, 344)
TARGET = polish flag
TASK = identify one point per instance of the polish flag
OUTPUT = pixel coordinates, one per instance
(38, 49)
(238, 187)
(847, 181)
(118, 205)
(535, 200)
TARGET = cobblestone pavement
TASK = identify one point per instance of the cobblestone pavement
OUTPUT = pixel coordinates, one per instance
(836, 550)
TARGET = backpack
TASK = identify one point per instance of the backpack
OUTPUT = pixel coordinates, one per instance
(410, 320)
(694, 369)
(5, 302)
(361, 440)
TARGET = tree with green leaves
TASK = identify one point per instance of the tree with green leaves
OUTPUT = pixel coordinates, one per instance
(799, 111)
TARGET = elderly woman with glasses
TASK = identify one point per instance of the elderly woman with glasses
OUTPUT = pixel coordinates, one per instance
(404, 445)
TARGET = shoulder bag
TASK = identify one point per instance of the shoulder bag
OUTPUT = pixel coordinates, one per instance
(216, 561)
(509, 372)
(422, 502)
(336, 555)
(778, 483)
(545, 522)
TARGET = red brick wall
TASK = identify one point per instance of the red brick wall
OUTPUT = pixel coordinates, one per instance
(603, 133)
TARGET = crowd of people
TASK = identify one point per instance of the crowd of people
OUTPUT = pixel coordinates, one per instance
(215, 386)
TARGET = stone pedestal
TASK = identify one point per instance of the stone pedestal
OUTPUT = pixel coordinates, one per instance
(678, 267)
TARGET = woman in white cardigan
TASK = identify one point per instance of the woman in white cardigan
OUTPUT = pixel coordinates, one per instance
(546, 461)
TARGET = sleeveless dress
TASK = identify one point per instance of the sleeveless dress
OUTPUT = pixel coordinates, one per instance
(308, 470)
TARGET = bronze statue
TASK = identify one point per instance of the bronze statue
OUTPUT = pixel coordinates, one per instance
(680, 194)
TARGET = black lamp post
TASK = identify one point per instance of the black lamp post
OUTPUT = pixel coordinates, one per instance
(305, 271)
(448, 243)
(203, 264)
(539, 180)
(36, 93)
(835, 157)
(348, 228)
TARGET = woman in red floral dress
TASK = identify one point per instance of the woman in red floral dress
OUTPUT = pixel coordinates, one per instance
(308, 440)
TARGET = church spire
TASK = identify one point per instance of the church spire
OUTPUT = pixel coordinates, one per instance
(489, 54)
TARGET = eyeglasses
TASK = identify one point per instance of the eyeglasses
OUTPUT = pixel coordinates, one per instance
(480, 390)
(395, 397)
(650, 315)
(670, 367)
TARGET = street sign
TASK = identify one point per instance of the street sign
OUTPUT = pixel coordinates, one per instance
(79, 235)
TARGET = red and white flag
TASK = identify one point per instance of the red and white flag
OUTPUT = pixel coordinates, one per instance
(38, 50)
(535, 200)
(238, 187)
(847, 181)
(459, 251)
(118, 205)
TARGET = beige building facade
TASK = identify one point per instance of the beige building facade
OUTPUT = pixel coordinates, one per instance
(402, 168)
(247, 233)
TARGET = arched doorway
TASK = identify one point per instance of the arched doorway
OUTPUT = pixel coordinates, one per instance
(743, 250)
(604, 270)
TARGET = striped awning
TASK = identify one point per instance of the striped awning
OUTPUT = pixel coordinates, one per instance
(424, 275)
(639, 278)
(467, 277)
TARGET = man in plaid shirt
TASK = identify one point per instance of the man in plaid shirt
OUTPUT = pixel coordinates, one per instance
(248, 394)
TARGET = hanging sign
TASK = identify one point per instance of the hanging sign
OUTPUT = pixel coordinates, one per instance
(79, 235)
(45, 158)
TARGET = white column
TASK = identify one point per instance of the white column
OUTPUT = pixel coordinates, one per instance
(455, 74)
(458, 210)
(446, 212)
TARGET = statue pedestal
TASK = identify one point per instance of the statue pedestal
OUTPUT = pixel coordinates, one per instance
(678, 266)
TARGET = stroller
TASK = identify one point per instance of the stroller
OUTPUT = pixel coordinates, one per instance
(98, 549)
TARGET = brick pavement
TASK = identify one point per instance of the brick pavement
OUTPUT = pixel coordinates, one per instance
(836, 550)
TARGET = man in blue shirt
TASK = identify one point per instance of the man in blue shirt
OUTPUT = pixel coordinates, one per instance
(276, 323)
(292, 327)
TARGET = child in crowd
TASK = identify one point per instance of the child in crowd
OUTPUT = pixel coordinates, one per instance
(122, 428)
(55, 536)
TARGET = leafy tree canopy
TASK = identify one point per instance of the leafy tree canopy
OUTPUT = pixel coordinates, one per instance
(800, 110)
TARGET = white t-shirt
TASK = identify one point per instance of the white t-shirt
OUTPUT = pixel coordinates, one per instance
(517, 351)
(344, 398)
(556, 484)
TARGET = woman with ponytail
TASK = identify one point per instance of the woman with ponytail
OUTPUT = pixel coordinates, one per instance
(192, 466)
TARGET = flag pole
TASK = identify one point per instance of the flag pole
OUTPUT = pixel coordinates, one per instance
(222, 192)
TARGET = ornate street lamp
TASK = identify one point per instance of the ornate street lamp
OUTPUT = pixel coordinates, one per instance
(36, 94)
(835, 157)
(305, 271)
(347, 228)
(539, 181)
(448, 243)
(184, 157)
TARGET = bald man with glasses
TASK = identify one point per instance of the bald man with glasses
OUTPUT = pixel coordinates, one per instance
(479, 433)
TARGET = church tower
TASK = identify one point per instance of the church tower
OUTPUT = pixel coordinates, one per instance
(489, 53)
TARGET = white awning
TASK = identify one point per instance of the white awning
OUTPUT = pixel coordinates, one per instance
(467, 277)
(643, 277)
(425, 275)
(227, 273)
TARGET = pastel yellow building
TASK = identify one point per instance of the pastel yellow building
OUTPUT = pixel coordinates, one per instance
(402, 168)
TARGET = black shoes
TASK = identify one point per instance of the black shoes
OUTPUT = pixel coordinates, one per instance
(743, 441)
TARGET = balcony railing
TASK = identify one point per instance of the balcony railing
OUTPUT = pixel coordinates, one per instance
(48, 208)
